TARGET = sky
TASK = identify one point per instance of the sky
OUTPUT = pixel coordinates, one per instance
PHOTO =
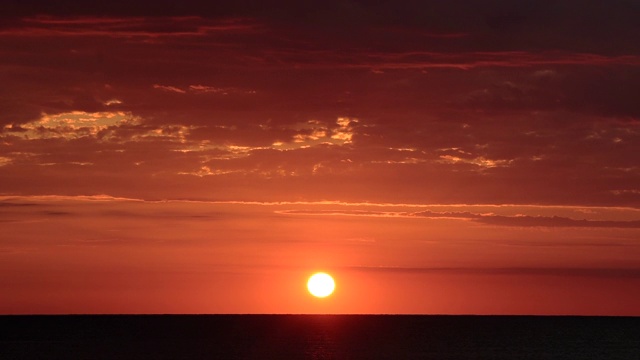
(459, 157)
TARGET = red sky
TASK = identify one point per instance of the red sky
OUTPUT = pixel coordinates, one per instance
(458, 157)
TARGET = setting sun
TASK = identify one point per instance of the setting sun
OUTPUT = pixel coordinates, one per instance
(321, 285)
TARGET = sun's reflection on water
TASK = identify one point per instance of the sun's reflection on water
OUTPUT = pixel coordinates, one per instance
(321, 345)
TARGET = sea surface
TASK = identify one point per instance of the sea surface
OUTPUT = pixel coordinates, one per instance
(318, 337)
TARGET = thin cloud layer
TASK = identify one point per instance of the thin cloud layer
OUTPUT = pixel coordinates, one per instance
(610, 273)
(488, 219)
(132, 28)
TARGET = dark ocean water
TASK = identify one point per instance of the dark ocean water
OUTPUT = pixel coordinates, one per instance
(318, 337)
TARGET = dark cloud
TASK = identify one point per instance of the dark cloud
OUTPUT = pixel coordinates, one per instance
(556, 221)
(119, 7)
(592, 90)
(10, 204)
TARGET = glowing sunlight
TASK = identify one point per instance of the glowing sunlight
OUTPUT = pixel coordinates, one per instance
(321, 285)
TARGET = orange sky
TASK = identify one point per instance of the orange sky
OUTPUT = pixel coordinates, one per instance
(101, 254)
(436, 157)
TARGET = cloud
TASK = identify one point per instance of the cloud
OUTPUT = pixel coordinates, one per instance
(478, 161)
(115, 126)
(458, 104)
(466, 61)
(556, 221)
(204, 89)
(35, 199)
(122, 27)
(366, 213)
(169, 88)
(530, 221)
(616, 273)
(483, 218)
(587, 90)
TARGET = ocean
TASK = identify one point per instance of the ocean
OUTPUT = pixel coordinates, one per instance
(318, 337)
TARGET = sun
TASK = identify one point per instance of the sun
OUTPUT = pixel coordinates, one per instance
(321, 285)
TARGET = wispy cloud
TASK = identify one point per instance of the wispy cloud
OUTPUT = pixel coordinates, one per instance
(423, 60)
(483, 218)
(556, 221)
(622, 272)
(204, 89)
(124, 27)
(169, 88)
(12, 200)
